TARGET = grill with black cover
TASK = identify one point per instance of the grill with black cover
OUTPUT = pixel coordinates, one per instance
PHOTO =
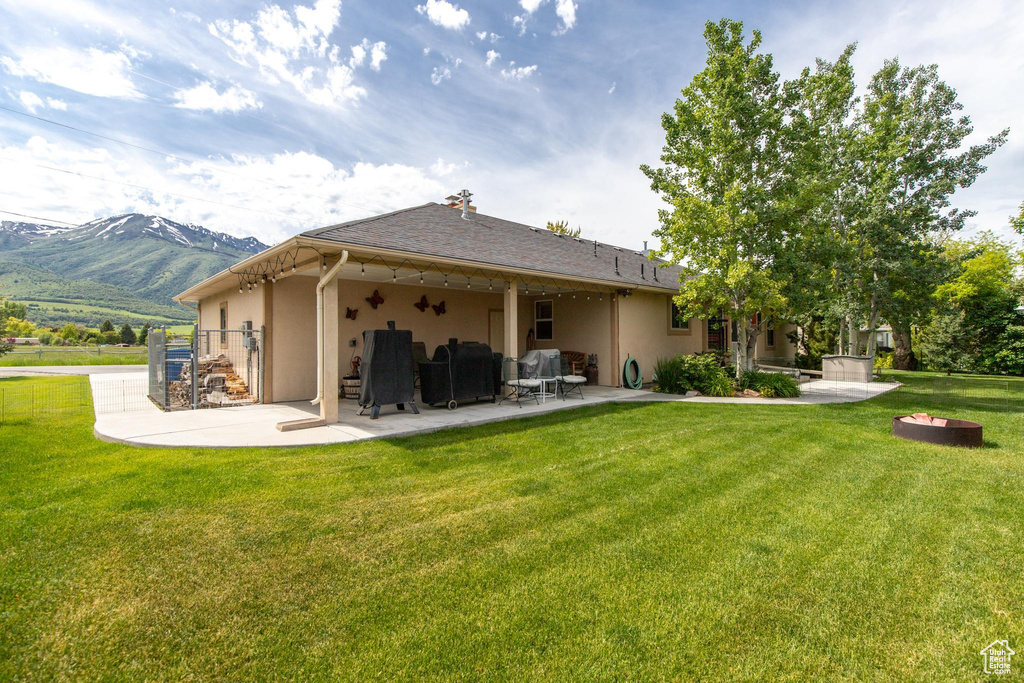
(387, 370)
(459, 372)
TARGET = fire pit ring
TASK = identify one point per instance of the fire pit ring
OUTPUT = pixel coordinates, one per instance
(962, 433)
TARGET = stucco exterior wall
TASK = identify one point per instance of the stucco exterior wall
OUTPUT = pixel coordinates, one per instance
(644, 332)
(466, 314)
(293, 339)
(578, 325)
(783, 351)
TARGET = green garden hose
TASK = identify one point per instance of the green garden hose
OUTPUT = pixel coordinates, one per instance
(632, 368)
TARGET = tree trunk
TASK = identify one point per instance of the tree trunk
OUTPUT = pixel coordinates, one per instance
(873, 321)
(854, 348)
(742, 358)
(902, 353)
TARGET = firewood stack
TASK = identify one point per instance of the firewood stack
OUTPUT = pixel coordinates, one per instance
(218, 385)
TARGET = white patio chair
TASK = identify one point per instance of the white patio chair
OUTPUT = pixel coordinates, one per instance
(521, 388)
(568, 382)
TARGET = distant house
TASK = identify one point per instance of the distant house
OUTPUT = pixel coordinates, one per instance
(26, 341)
(504, 283)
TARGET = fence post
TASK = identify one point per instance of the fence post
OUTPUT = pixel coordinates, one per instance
(262, 358)
(167, 379)
(195, 366)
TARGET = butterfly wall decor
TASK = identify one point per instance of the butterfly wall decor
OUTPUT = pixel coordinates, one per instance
(375, 300)
(350, 313)
(422, 304)
(439, 308)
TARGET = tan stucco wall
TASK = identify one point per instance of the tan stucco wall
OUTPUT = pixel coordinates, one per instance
(578, 324)
(644, 332)
(293, 339)
(465, 318)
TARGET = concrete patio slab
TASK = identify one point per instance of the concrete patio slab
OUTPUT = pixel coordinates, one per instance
(43, 370)
(255, 425)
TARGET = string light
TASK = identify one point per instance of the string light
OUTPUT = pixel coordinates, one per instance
(490, 285)
(394, 276)
(467, 283)
(362, 269)
(421, 277)
(324, 261)
(239, 289)
(445, 280)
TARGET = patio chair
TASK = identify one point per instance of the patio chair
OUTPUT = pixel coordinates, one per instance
(568, 382)
(521, 388)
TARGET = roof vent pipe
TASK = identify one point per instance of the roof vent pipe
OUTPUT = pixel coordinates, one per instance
(616, 265)
(465, 194)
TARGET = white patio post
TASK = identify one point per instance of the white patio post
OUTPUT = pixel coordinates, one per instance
(332, 321)
(511, 321)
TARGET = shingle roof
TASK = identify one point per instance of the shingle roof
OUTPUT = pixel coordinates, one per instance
(440, 231)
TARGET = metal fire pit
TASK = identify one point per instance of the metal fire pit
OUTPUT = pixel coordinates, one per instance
(955, 433)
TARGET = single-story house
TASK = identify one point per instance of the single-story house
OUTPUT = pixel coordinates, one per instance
(482, 279)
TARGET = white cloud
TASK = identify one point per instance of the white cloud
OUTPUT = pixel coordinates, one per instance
(287, 50)
(30, 101)
(612, 89)
(188, 16)
(426, 51)
(518, 73)
(91, 71)
(531, 5)
(566, 11)
(482, 35)
(444, 13)
(377, 52)
(56, 104)
(441, 168)
(250, 181)
(205, 97)
(491, 56)
(440, 73)
(520, 23)
(358, 55)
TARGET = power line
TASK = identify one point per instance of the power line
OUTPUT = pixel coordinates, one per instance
(168, 155)
(38, 218)
(149, 189)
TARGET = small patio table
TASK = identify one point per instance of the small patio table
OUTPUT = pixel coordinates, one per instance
(542, 364)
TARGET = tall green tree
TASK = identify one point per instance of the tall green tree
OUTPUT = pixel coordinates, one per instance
(910, 134)
(107, 326)
(1017, 222)
(723, 175)
(819, 106)
(127, 334)
(144, 333)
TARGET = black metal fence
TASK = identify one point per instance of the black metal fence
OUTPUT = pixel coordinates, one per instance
(208, 369)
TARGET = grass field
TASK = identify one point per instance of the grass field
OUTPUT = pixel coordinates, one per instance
(657, 541)
(32, 356)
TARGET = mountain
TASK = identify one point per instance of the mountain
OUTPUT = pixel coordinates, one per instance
(129, 264)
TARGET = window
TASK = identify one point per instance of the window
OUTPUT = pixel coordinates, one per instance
(676, 321)
(223, 324)
(769, 334)
(716, 333)
(544, 319)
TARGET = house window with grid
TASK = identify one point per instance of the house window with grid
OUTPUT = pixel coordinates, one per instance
(677, 321)
(769, 334)
(544, 319)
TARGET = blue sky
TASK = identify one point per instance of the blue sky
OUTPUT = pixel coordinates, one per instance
(281, 117)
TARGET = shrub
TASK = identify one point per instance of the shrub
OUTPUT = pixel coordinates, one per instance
(770, 384)
(669, 376)
(883, 360)
(701, 371)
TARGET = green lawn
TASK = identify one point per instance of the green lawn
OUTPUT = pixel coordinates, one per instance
(46, 355)
(621, 541)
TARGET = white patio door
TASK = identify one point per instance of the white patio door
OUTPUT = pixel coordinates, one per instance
(496, 330)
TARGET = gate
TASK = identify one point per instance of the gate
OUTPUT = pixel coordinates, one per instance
(212, 369)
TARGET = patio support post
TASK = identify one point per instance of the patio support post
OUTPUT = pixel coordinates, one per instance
(511, 322)
(332, 321)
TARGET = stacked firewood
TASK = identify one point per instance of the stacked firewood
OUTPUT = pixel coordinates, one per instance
(218, 384)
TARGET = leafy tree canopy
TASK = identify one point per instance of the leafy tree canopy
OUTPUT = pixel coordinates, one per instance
(562, 228)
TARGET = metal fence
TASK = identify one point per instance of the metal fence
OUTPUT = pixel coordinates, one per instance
(211, 369)
(29, 400)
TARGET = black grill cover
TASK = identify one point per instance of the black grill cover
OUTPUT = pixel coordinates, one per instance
(473, 368)
(386, 371)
